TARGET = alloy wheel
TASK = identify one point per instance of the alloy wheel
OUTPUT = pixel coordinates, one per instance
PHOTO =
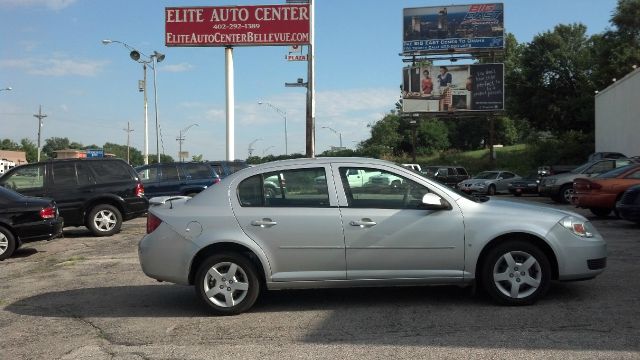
(517, 274)
(4, 243)
(105, 220)
(226, 284)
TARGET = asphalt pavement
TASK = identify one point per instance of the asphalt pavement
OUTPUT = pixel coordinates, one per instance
(81, 297)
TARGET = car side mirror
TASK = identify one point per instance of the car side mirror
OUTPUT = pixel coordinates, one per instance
(432, 201)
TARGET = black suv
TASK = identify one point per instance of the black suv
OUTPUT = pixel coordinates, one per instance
(176, 178)
(448, 175)
(97, 193)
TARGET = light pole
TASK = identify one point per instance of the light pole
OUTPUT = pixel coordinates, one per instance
(266, 149)
(284, 116)
(152, 61)
(181, 138)
(250, 149)
(335, 132)
(40, 116)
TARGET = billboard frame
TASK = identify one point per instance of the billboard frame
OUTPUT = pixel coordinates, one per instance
(443, 26)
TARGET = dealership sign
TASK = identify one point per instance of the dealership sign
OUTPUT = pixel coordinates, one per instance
(453, 28)
(446, 89)
(237, 25)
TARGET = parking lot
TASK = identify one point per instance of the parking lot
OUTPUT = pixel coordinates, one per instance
(85, 297)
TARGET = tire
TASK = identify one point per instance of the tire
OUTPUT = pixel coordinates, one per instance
(600, 212)
(565, 193)
(7, 243)
(517, 194)
(491, 190)
(502, 273)
(104, 220)
(217, 276)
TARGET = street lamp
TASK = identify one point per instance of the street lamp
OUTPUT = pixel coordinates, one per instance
(152, 61)
(181, 138)
(335, 132)
(250, 149)
(284, 116)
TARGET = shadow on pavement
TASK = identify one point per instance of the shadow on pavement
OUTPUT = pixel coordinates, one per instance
(24, 252)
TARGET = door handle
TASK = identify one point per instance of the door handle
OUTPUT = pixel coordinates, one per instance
(363, 223)
(264, 223)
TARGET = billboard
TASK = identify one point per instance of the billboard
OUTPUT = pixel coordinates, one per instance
(237, 25)
(477, 87)
(453, 28)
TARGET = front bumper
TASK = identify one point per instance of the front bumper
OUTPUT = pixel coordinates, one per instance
(578, 258)
(549, 190)
(471, 188)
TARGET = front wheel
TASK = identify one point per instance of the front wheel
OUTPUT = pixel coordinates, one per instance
(228, 283)
(104, 220)
(516, 273)
(7, 243)
(566, 192)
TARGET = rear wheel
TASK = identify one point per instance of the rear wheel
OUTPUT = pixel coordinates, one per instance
(566, 191)
(104, 220)
(600, 212)
(7, 243)
(516, 273)
(228, 283)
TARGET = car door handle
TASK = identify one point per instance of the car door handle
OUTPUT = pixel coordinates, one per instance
(264, 223)
(363, 223)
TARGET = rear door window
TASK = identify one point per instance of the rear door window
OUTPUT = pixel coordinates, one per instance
(109, 171)
(169, 173)
(198, 171)
(64, 174)
(289, 188)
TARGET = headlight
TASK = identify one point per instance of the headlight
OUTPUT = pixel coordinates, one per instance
(579, 227)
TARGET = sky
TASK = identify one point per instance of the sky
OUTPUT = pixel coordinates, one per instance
(51, 55)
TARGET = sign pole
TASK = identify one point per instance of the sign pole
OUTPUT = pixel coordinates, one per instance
(228, 52)
(311, 104)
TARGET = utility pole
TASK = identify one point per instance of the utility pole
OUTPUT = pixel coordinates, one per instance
(311, 103)
(128, 130)
(40, 116)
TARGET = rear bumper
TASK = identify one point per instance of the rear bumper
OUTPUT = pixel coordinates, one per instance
(42, 230)
(135, 207)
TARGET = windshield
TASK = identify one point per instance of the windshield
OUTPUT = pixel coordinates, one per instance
(487, 175)
(582, 168)
(616, 172)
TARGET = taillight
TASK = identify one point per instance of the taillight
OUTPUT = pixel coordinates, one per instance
(152, 223)
(216, 180)
(48, 213)
(139, 191)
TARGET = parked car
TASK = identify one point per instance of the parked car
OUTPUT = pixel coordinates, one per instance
(447, 174)
(25, 219)
(547, 170)
(560, 187)
(225, 168)
(231, 240)
(600, 194)
(414, 167)
(489, 182)
(176, 178)
(97, 193)
(526, 185)
(606, 155)
(628, 207)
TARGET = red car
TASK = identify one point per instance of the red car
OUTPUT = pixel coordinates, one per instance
(600, 194)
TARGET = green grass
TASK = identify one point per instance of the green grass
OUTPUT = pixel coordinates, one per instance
(513, 158)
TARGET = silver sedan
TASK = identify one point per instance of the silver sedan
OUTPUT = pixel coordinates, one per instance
(236, 237)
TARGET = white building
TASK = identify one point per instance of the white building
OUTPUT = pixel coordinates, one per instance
(618, 116)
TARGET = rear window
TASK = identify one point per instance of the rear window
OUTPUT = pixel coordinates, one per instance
(461, 171)
(198, 171)
(108, 171)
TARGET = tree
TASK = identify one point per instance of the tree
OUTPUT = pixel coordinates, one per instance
(120, 151)
(8, 144)
(53, 144)
(555, 91)
(30, 149)
(385, 137)
(197, 157)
